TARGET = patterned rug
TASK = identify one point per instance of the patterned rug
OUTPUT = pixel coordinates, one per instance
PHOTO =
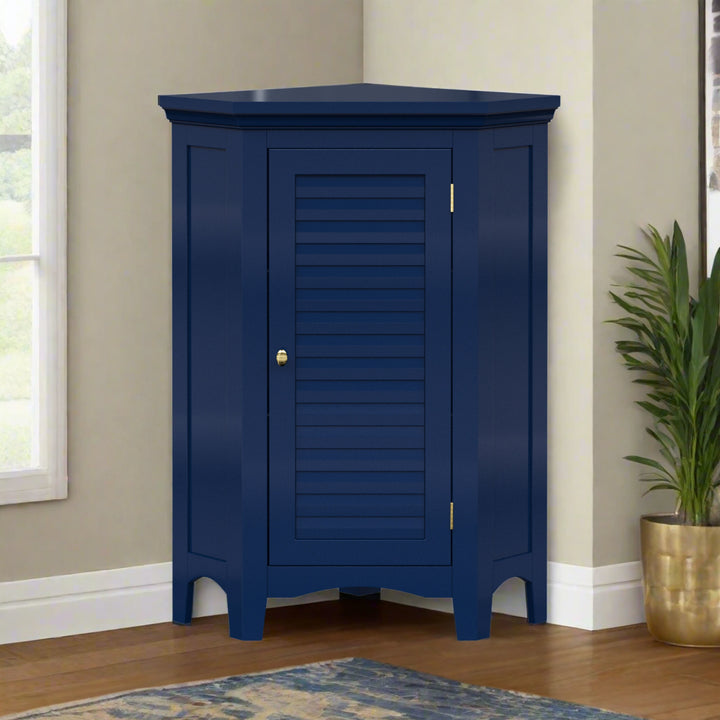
(351, 689)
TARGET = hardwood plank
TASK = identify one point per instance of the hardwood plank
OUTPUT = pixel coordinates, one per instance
(622, 669)
(700, 712)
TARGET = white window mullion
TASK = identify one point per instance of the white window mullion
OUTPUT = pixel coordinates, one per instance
(18, 258)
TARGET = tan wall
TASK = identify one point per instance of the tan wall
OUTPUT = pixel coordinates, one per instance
(541, 47)
(646, 171)
(122, 54)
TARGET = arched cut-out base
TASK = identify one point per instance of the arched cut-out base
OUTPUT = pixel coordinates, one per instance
(246, 607)
(247, 602)
(473, 611)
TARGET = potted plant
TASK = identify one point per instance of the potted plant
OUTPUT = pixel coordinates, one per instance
(675, 354)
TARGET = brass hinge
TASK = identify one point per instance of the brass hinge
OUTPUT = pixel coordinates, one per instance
(452, 197)
(451, 516)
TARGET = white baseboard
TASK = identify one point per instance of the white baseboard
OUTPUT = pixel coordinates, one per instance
(106, 600)
(595, 598)
(589, 598)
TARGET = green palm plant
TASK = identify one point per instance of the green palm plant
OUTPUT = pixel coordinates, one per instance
(676, 354)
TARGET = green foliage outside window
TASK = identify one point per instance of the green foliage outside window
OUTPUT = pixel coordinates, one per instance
(16, 287)
(15, 86)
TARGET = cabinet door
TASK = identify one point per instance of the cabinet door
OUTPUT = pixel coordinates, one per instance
(360, 416)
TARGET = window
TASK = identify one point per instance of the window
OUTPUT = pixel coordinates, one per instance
(33, 426)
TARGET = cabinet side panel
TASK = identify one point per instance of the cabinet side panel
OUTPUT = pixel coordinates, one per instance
(247, 384)
(510, 349)
(474, 386)
(210, 280)
(180, 414)
(539, 345)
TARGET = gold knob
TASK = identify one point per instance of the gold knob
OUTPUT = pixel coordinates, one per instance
(281, 357)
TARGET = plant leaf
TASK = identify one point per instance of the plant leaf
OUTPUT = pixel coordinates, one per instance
(682, 283)
(658, 486)
(649, 462)
(654, 410)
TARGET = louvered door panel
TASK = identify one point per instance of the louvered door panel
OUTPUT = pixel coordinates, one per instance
(359, 278)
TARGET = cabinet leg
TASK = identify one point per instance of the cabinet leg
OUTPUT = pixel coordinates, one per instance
(536, 599)
(246, 609)
(472, 616)
(183, 592)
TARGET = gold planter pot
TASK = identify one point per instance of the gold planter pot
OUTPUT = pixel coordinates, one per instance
(681, 579)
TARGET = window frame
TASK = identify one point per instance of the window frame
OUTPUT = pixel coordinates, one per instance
(47, 481)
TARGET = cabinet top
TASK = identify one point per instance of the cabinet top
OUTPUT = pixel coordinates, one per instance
(366, 103)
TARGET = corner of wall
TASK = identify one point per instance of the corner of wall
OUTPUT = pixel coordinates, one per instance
(645, 149)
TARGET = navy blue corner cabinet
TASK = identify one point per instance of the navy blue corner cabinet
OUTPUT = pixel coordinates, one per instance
(359, 345)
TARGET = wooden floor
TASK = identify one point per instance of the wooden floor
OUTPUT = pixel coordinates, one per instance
(622, 669)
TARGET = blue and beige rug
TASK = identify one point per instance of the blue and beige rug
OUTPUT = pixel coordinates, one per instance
(351, 689)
